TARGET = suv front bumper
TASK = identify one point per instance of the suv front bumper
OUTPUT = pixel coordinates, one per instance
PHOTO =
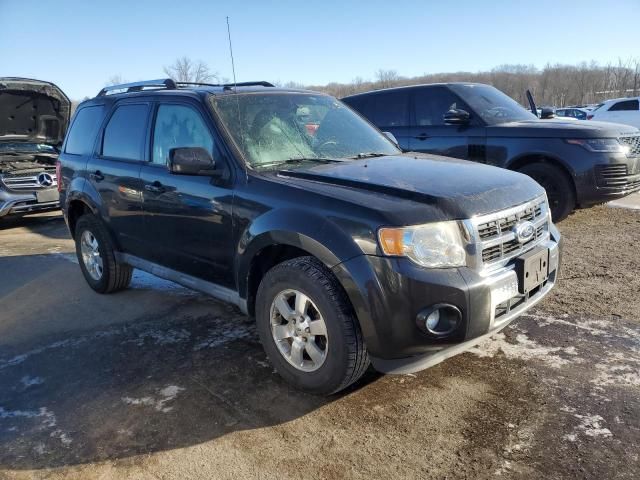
(20, 203)
(609, 177)
(389, 293)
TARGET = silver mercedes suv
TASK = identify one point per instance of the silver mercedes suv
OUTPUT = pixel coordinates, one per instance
(34, 116)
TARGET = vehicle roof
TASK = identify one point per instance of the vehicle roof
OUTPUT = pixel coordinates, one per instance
(622, 99)
(193, 91)
(406, 87)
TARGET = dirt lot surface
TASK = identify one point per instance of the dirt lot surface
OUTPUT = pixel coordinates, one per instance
(163, 383)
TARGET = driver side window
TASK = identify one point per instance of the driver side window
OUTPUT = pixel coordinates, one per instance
(179, 126)
(432, 103)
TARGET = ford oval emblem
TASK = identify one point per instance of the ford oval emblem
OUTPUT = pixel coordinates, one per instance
(524, 231)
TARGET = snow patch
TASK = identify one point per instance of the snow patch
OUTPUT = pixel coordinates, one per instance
(524, 349)
(158, 402)
(160, 337)
(591, 425)
(47, 418)
(220, 336)
(28, 381)
(47, 421)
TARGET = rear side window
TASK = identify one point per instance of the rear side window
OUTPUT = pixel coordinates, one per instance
(83, 131)
(624, 106)
(364, 105)
(391, 109)
(125, 134)
(432, 103)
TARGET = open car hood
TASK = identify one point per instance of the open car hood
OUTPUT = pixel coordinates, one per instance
(32, 111)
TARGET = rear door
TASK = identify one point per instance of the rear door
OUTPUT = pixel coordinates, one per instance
(187, 218)
(389, 111)
(114, 171)
(430, 134)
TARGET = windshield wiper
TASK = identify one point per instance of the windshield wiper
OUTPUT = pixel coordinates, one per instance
(290, 161)
(369, 155)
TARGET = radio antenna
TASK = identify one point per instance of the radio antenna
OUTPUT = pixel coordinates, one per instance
(233, 66)
(235, 89)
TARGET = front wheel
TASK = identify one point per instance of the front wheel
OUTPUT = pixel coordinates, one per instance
(557, 184)
(308, 328)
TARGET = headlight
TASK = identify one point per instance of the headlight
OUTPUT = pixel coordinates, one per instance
(601, 145)
(433, 245)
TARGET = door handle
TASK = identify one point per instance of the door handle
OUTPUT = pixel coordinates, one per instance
(422, 136)
(97, 176)
(155, 187)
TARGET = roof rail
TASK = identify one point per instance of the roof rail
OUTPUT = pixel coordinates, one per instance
(170, 84)
(228, 86)
(249, 84)
(138, 86)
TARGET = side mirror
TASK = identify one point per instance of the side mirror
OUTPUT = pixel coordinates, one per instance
(393, 138)
(456, 116)
(547, 113)
(191, 161)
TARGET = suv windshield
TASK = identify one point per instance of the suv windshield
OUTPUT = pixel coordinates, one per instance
(272, 129)
(493, 106)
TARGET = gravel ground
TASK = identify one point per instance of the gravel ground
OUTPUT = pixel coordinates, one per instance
(160, 382)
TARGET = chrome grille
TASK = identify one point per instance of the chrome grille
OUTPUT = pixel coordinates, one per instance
(617, 176)
(26, 180)
(633, 142)
(494, 239)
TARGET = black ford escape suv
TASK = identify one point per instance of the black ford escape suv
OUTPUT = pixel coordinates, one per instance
(579, 164)
(344, 249)
(34, 116)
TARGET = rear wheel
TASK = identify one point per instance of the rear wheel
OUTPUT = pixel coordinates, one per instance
(557, 184)
(308, 328)
(97, 257)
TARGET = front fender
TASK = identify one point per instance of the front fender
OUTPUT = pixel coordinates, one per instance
(310, 232)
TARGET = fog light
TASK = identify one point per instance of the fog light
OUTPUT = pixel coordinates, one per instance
(432, 320)
(440, 320)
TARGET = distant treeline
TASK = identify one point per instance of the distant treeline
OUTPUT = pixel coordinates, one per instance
(555, 85)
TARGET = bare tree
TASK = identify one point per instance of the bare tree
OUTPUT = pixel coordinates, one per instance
(186, 70)
(115, 80)
(554, 85)
(387, 78)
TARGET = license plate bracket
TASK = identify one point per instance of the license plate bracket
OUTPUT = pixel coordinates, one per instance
(532, 269)
(46, 196)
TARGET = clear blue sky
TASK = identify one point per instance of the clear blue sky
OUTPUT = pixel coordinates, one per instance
(81, 44)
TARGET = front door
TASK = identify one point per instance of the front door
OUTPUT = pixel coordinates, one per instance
(187, 218)
(430, 134)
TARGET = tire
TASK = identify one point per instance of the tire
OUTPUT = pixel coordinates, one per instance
(113, 275)
(558, 185)
(345, 354)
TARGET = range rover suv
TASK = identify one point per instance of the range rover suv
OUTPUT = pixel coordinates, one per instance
(345, 250)
(579, 164)
(34, 116)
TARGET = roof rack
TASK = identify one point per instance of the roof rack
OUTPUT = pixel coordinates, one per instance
(170, 84)
(139, 86)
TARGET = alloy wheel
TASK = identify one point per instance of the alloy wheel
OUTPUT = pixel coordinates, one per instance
(298, 330)
(91, 258)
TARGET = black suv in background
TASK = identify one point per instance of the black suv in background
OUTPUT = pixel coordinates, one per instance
(579, 164)
(34, 116)
(344, 249)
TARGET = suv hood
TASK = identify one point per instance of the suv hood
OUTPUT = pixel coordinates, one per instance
(440, 187)
(32, 111)
(559, 128)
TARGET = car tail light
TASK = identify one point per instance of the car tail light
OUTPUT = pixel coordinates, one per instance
(59, 175)
(589, 117)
